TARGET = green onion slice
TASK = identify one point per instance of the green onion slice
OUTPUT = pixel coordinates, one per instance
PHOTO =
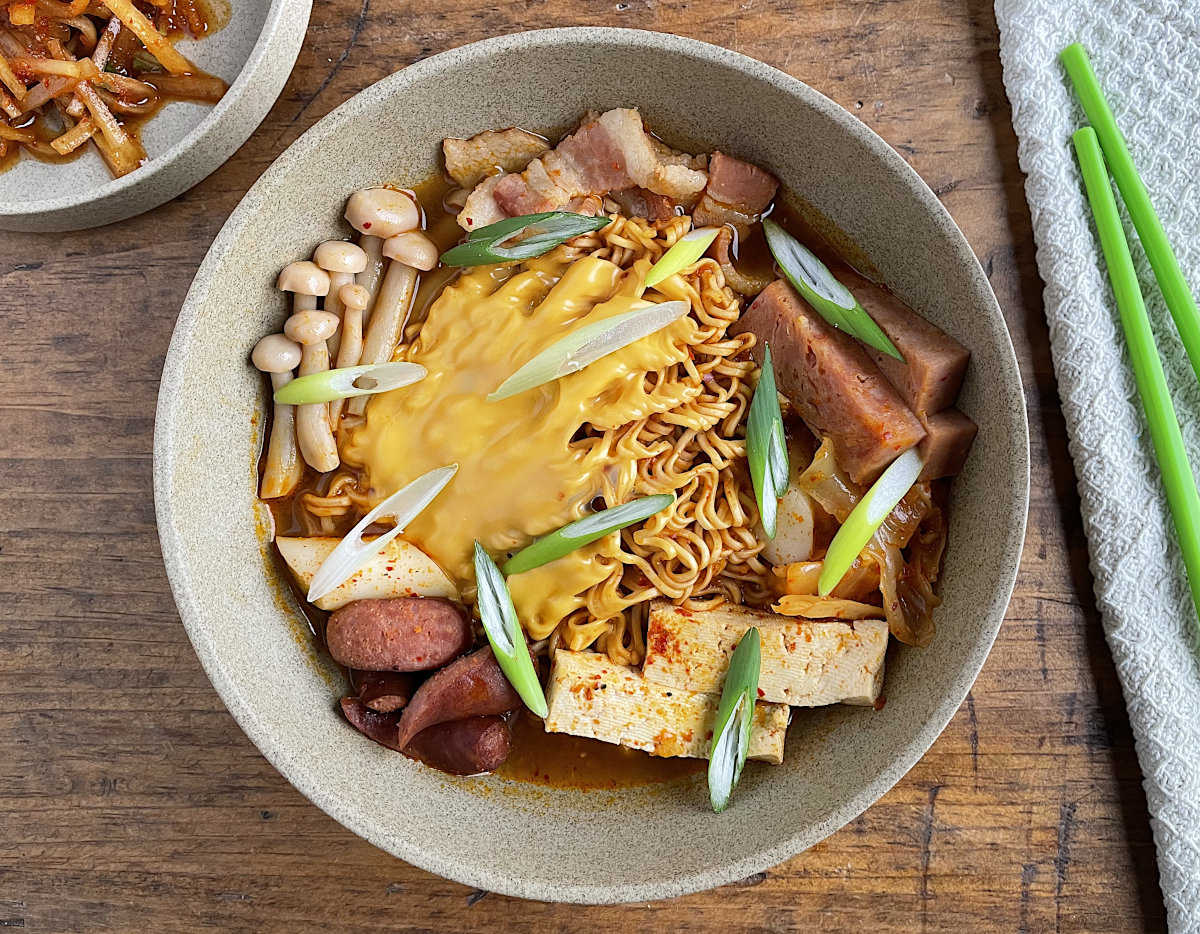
(765, 445)
(584, 531)
(145, 62)
(349, 381)
(505, 634)
(588, 344)
(866, 517)
(683, 253)
(735, 716)
(532, 235)
(352, 553)
(832, 300)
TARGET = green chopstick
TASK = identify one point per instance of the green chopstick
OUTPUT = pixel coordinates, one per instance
(1178, 481)
(1150, 231)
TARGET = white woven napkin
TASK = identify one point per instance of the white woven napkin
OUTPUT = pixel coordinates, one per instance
(1147, 56)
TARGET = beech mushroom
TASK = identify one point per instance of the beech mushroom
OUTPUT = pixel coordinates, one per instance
(342, 261)
(307, 281)
(382, 212)
(412, 248)
(354, 300)
(277, 356)
(311, 329)
(379, 213)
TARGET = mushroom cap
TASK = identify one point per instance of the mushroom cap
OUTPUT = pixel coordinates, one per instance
(340, 256)
(303, 278)
(412, 248)
(311, 327)
(382, 212)
(276, 353)
(354, 296)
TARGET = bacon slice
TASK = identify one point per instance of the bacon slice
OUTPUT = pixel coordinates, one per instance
(611, 152)
(470, 161)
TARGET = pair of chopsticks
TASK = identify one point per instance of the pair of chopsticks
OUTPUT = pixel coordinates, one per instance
(1100, 149)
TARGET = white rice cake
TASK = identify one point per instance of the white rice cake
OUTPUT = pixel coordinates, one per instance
(805, 663)
(591, 696)
(399, 569)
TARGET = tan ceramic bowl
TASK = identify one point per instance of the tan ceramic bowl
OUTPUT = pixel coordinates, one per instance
(254, 52)
(550, 844)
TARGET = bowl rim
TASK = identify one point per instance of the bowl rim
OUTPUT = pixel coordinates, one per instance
(280, 14)
(498, 878)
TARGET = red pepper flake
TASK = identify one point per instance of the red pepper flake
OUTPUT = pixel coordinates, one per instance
(761, 693)
(366, 225)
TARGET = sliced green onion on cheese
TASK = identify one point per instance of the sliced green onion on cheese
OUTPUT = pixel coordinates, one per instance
(347, 381)
(588, 344)
(584, 531)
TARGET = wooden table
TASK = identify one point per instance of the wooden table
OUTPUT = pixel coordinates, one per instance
(129, 798)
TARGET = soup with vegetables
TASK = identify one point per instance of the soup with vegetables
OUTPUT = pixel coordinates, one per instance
(591, 439)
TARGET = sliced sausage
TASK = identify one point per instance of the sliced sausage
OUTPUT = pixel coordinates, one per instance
(398, 634)
(380, 727)
(934, 362)
(383, 691)
(472, 686)
(740, 184)
(835, 386)
(463, 747)
(737, 193)
(947, 443)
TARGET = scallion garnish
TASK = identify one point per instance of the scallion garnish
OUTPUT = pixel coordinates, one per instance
(349, 381)
(584, 531)
(766, 448)
(866, 517)
(352, 553)
(531, 235)
(588, 344)
(832, 300)
(683, 253)
(504, 632)
(143, 62)
(735, 716)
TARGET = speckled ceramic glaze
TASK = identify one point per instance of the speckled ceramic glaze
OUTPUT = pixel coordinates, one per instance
(186, 142)
(524, 840)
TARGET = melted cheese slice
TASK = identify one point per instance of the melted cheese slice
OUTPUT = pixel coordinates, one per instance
(518, 477)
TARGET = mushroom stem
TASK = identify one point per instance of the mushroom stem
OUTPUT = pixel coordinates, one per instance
(388, 315)
(354, 301)
(369, 278)
(333, 305)
(311, 329)
(283, 468)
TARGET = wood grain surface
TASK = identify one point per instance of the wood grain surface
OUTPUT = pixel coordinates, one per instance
(129, 798)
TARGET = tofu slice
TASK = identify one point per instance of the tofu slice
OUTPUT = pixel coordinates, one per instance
(591, 696)
(399, 569)
(805, 663)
